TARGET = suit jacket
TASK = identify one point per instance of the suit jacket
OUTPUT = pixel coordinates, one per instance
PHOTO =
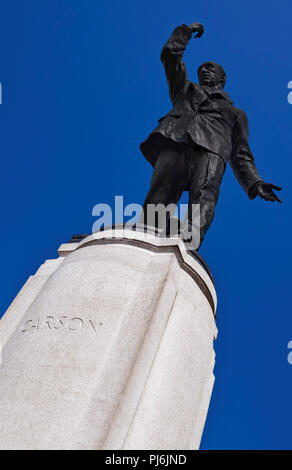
(203, 116)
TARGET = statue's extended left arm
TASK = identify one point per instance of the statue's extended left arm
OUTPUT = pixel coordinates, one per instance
(243, 164)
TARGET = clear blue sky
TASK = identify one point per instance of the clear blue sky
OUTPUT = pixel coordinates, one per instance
(82, 87)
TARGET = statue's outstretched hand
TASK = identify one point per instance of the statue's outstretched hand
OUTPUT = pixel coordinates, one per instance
(197, 28)
(265, 191)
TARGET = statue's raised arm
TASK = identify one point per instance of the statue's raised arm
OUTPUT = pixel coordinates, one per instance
(172, 56)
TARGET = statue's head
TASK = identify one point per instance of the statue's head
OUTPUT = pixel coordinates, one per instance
(211, 74)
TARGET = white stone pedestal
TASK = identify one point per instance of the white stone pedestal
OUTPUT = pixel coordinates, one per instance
(110, 346)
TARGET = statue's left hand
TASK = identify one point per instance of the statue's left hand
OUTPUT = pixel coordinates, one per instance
(265, 191)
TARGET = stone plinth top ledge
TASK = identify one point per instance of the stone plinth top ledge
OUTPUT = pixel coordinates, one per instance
(190, 262)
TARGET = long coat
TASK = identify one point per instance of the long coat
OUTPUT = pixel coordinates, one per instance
(206, 116)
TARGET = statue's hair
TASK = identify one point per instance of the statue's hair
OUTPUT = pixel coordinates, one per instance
(223, 74)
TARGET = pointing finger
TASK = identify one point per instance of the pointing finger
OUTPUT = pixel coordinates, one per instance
(278, 188)
(276, 198)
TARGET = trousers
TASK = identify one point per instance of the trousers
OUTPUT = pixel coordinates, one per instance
(181, 167)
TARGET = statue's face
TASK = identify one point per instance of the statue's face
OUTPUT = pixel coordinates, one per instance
(210, 74)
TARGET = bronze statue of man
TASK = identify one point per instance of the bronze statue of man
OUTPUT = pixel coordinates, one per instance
(192, 144)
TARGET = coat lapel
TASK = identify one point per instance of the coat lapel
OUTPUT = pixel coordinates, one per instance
(203, 93)
(200, 96)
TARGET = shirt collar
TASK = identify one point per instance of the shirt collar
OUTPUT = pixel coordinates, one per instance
(213, 91)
